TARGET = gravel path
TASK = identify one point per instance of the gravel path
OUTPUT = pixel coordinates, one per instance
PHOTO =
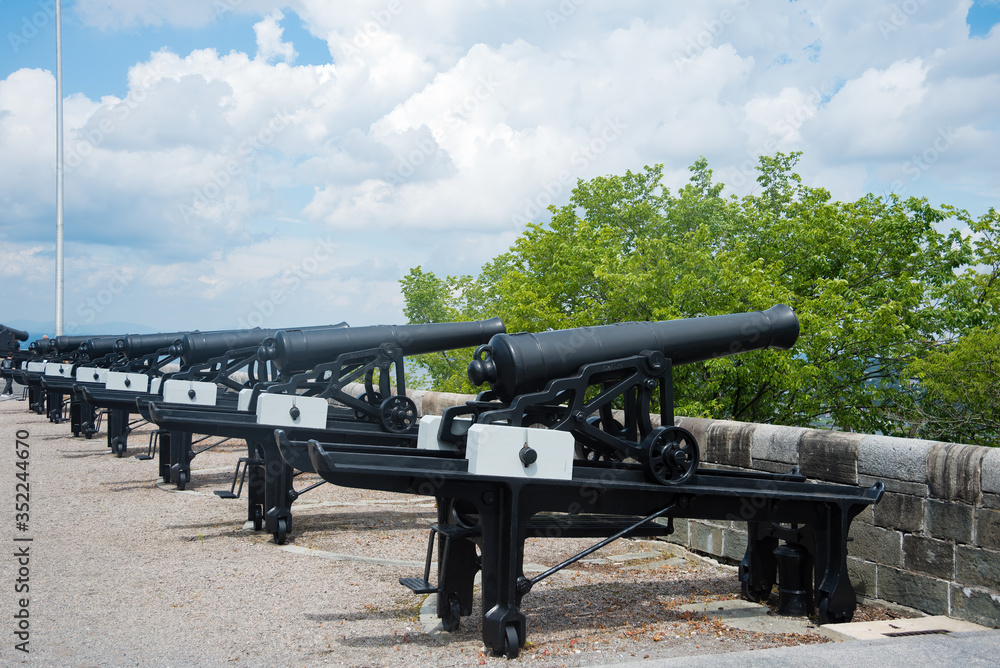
(126, 572)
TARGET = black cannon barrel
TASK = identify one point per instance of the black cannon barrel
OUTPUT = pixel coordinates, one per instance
(519, 363)
(99, 346)
(41, 346)
(202, 346)
(293, 351)
(67, 344)
(18, 334)
(137, 345)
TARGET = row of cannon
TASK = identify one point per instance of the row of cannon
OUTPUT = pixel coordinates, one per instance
(562, 443)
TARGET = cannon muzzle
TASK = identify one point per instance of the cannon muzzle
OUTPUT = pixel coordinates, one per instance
(203, 346)
(18, 334)
(515, 364)
(294, 351)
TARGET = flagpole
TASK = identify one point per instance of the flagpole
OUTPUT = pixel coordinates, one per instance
(59, 174)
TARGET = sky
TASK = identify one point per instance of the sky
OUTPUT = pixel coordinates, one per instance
(241, 163)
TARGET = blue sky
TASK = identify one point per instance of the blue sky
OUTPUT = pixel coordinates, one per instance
(241, 162)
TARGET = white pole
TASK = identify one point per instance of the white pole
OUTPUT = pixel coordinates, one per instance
(59, 174)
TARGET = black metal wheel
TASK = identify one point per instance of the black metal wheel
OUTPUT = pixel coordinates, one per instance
(672, 453)
(375, 398)
(182, 480)
(453, 614)
(398, 414)
(281, 533)
(258, 518)
(512, 643)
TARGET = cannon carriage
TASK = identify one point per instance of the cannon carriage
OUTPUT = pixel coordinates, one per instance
(543, 452)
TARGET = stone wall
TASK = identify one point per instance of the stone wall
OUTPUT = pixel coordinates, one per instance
(932, 542)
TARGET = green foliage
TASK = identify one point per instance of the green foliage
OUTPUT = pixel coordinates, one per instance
(876, 285)
(959, 391)
(430, 299)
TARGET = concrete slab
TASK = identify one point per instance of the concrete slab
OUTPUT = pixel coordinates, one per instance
(753, 617)
(894, 628)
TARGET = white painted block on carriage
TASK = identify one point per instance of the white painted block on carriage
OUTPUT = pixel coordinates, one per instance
(90, 374)
(58, 369)
(127, 382)
(494, 450)
(276, 409)
(429, 430)
(35, 366)
(189, 392)
(243, 402)
(154, 385)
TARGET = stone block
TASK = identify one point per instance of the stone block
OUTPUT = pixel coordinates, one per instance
(953, 471)
(991, 471)
(734, 544)
(988, 528)
(949, 520)
(776, 443)
(680, 534)
(862, 574)
(975, 605)
(899, 511)
(897, 458)
(867, 515)
(830, 455)
(871, 543)
(729, 443)
(704, 538)
(929, 556)
(913, 590)
(898, 486)
(978, 567)
(699, 429)
(991, 501)
(771, 467)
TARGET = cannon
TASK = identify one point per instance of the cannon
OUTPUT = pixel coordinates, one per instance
(316, 367)
(563, 444)
(80, 365)
(137, 345)
(146, 359)
(10, 339)
(99, 346)
(516, 364)
(67, 344)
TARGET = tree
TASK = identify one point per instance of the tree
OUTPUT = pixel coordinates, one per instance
(875, 284)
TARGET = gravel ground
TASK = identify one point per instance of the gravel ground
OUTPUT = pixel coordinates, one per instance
(126, 572)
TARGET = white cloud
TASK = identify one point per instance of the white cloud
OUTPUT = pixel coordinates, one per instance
(436, 132)
(269, 44)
